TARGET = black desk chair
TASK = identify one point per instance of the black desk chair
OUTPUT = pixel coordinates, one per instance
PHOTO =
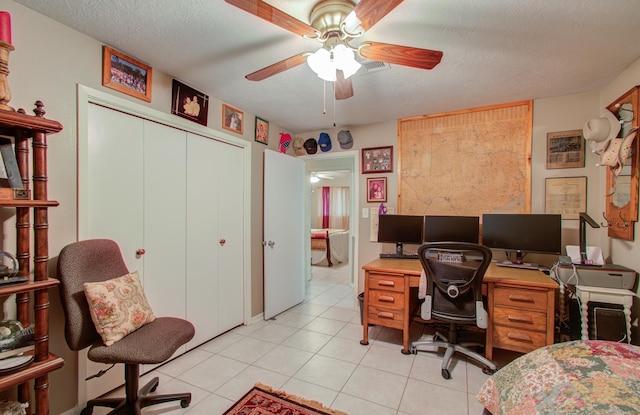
(98, 260)
(453, 273)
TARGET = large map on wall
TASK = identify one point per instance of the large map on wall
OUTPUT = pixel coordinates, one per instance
(466, 163)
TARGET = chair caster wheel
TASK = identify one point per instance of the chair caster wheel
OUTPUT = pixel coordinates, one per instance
(489, 371)
(185, 403)
(446, 374)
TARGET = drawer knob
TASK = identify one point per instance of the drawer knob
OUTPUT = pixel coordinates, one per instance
(521, 298)
(520, 319)
(519, 337)
(386, 283)
(385, 314)
(386, 299)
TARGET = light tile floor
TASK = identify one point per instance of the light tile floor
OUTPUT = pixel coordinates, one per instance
(313, 351)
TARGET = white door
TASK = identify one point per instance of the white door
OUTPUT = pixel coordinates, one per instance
(283, 236)
(231, 206)
(202, 234)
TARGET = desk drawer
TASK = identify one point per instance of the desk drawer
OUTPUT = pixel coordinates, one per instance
(386, 317)
(518, 340)
(383, 298)
(386, 282)
(523, 319)
(520, 298)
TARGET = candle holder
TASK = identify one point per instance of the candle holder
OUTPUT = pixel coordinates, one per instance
(5, 92)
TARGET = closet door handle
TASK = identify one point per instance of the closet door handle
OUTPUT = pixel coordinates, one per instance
(140, 252)
(222, 242)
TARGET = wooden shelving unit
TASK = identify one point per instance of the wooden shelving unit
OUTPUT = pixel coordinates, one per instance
(25, 129)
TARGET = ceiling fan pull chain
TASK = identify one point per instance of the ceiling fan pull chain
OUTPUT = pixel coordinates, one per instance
(334, 108)
(324, 97)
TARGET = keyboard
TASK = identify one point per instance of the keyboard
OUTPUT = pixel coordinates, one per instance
(403, 256)
(13, 280)
(524, 265)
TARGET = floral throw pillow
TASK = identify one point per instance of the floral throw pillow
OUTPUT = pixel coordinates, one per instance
(118, 306)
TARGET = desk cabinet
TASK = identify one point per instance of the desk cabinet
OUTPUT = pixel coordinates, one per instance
(521, 318)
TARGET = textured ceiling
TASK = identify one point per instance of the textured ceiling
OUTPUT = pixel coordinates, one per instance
(495, 51)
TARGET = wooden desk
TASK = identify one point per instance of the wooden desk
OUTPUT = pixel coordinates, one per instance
(521, 303)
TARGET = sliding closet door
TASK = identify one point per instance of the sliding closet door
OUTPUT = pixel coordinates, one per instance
(214, 237)
(202, 237)
(165, 186)
(231, 207)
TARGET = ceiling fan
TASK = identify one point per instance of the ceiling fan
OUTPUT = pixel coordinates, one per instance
(335, 23)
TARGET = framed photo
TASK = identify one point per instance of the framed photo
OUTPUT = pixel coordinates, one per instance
(377, 189)
(189, 103)
(566, 196)
(565, 149)
(232, 119)
(377, 160)
(262, 131)
(125, 74)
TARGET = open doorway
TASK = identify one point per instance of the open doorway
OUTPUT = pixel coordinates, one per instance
(334, 171)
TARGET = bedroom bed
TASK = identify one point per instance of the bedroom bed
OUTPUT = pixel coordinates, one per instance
(329, 246)
(576, 377)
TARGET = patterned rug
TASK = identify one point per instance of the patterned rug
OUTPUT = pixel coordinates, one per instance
(262, 400)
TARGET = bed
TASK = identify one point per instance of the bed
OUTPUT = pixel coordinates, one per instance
(329, 246)
(576, 377)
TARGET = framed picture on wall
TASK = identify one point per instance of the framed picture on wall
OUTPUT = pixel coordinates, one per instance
(566, 196)
(262, 131)
(376, 189)
(189, 103)
(565, 149)
(377, 160)
(232, 119)
(125, 74)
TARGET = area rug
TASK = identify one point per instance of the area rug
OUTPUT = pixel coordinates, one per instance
(263, 400)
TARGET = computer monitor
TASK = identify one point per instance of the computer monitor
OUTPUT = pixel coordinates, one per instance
(522, 234)
(451, 228)
(400, 230)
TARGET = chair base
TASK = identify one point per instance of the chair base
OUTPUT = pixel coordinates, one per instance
(434, 345)
(135, 399)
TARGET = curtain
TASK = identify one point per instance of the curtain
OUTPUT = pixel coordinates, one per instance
(330, 208)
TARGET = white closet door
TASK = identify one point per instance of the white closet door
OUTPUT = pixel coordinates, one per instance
(111, 205)
(230, 229)
(202, 237)
(112, 187)
(165, 181)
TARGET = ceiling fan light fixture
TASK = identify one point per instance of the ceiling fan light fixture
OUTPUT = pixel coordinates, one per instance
(345, 60)
(321, 63)
(325, 63)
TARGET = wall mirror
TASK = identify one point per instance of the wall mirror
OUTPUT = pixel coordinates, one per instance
(622, 191)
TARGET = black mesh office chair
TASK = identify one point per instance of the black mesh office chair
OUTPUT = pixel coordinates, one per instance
(97, 260)
(454, 272)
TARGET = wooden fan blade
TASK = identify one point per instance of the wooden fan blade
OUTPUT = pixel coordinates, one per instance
(343, 88)
(277, 17)
(400, 55)
(278, 67)
(370, 12)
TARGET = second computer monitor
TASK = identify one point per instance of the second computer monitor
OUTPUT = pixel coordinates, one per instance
(451, 228)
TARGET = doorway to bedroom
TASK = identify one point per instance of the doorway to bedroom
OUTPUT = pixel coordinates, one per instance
(332, 219)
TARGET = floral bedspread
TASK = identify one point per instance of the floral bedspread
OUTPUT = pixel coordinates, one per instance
(576, 377)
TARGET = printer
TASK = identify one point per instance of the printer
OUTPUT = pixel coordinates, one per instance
(606, 276)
